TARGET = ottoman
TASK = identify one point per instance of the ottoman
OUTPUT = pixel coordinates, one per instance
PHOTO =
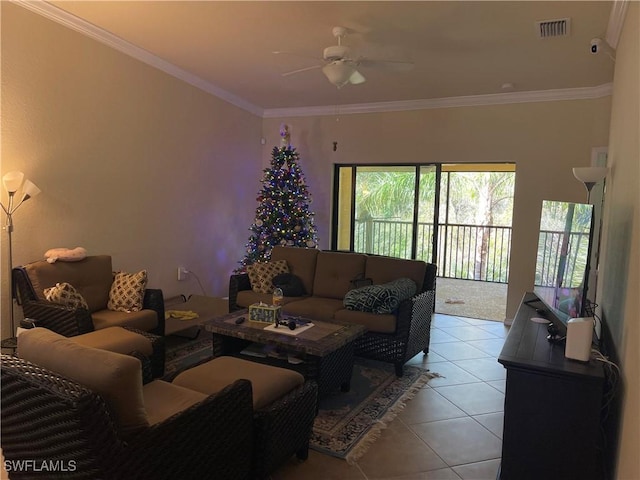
(284, 406)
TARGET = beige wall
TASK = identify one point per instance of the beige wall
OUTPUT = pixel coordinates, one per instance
(131, 162)
(135, 163)
(620, 284)
(545, 140)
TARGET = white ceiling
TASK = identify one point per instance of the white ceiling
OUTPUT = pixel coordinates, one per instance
(459, 48)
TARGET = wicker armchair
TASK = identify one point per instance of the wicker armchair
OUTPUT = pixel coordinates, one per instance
(49, 420)
(69, 321)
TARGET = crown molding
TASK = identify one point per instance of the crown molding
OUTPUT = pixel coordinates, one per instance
(64, 18)
(555, 95)
(616, 22)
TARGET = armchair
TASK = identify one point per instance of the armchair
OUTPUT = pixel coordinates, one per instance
(92, 277)
(85, 413)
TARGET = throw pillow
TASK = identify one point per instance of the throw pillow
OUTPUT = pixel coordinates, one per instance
(65, 294)
(383, 299)
(290, 284)
(127, 292)
(65, 254)
(261, 274)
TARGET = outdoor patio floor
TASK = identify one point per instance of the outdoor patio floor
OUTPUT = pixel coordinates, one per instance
(471, 298)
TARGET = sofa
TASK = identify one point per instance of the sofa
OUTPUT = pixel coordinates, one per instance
(73, 411)
(93, 280)
(330, 278)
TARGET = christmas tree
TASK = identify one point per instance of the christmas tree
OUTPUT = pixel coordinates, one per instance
(283, 216)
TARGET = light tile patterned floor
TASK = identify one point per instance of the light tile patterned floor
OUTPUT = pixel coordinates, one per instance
(451, 430)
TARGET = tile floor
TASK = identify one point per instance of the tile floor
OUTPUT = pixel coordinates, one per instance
(452, 429)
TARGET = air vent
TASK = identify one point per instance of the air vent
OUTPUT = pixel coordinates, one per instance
(554, 28)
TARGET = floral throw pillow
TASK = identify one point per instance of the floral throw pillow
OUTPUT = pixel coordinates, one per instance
(127, 292)
(261, 274)
(65, 294)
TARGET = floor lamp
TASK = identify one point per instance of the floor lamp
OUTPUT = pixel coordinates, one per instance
(590, 176)
(12, 182)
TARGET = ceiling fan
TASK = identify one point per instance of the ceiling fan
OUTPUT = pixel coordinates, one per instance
(341, 64)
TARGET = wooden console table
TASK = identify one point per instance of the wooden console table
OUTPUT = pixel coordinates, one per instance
(552, 406)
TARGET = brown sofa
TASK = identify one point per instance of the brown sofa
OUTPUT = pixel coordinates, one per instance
(327, 276)
(92, 277)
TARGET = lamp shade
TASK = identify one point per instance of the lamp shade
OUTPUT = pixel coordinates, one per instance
(12, 181)
(338, 72)
(30, 190)
(590, 174)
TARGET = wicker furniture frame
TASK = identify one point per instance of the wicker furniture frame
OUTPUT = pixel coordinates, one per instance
(283, 429)
(413, 324)
(71, 321)
(49, 418)
(327, 360)
(412, 335)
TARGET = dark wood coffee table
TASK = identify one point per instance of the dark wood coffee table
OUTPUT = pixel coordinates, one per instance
(326, 349)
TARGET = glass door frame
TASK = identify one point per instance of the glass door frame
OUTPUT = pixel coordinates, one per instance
(335, 211)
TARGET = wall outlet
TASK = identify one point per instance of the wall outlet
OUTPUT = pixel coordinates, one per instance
(182, 273)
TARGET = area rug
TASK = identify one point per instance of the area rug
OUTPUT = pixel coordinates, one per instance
(348, 423)
(181, 354)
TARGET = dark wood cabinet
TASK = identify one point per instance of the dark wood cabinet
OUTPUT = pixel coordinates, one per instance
(552, 406)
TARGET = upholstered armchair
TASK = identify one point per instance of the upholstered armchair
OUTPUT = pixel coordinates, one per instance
(91, 279)
(71, 411)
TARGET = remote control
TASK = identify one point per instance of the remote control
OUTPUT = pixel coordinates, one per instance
(239, 320)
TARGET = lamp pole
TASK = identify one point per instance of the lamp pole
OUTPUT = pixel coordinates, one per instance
(9, 228)
(12, 182)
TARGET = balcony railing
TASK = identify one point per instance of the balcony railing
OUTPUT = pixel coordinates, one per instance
(467, 252)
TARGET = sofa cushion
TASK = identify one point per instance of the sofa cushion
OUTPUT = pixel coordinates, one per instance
(127, 291)
(334, 272)
(261, 274)
(144, 320)
(65, 294)
(249, 297)
(315, 308)
(373, 322)
(301, 261)
(383, 298)
(116, 377)
(163, 400)
(91, 277)
(385, 269)
(268, 383)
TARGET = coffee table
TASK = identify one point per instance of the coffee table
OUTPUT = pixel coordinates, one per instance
(325, 350)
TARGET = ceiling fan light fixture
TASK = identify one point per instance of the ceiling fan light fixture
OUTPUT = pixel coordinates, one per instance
(339, 73)
(356, 78)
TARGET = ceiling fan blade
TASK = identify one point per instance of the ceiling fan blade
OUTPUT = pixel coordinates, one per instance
(300, 70)
(391, 65)
(357, 78)
(294, 54)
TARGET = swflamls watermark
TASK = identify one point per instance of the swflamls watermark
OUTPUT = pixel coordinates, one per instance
(37, 465)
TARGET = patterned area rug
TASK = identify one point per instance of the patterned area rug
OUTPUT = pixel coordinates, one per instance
(182, 353)
(348, 423)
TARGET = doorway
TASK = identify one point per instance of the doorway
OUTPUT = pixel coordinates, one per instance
(457, 216)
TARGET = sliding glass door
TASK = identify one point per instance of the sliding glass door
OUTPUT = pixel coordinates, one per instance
(386, 210)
